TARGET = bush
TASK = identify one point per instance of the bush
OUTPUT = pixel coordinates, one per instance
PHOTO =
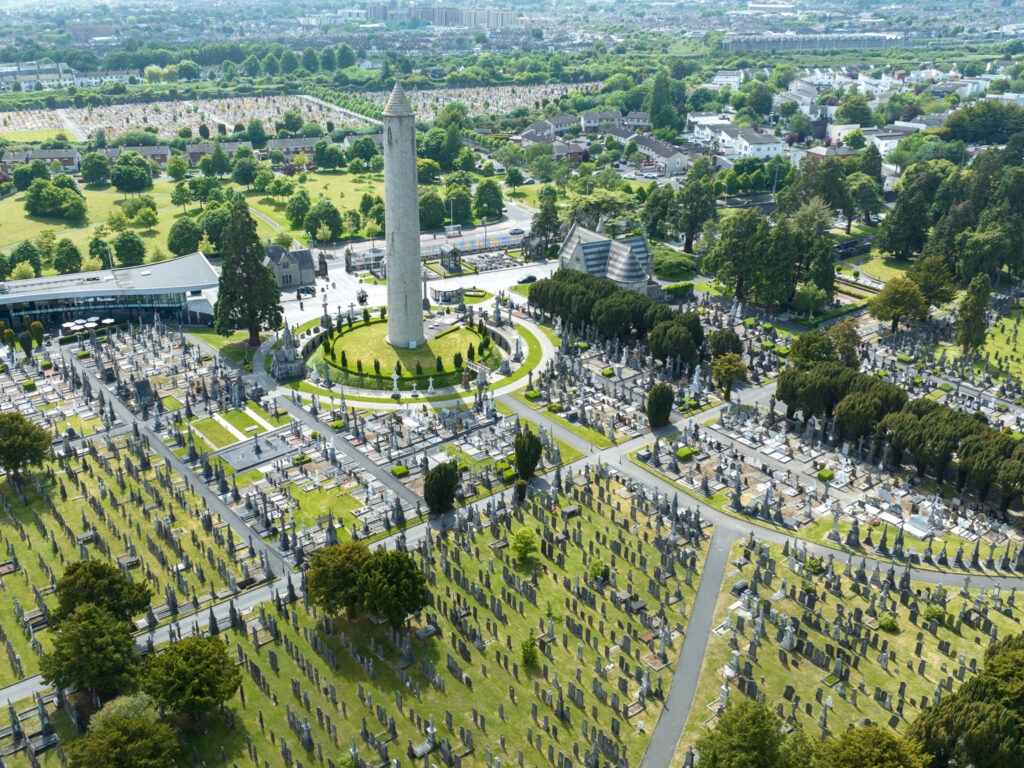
(608, 372)
(520, 489)
(47, 365)
(825, 475)
(532, 394)
(508, 475)
(555, 407)
(936, 612)
(903, 358)
(813, 565)
(83, 354)
(684, 453)
(28, 386)
(399, 471)
(680, 290)
(946, 386)
(338, 424)
(888, 623)
(301, 459)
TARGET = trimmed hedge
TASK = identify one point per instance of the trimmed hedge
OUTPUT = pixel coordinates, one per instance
(555, 407)
(684, 453)
(682, 290)
(28, 386)
(825, 475)
(608, 373)
(301, 459)
(83, 354)
(399, 471)
(532, 394)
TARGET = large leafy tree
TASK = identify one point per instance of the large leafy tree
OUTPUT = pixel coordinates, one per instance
(527, 453)
(99, 583)
(670, 338)
(961, 730)
(727, 370)
(192, 676)
(870, 746)
(545, 222)
(248, 296)
(93, 650)
(738, 255)
(333, 577)
(131, 173)
(393, 586)
(125, 742)
(129, 248)
(746, 735)
(972, 314)
(697, 206)
(900, 299)
(95, 168)
(488, 200)
(23, 443)
(184, 236)
(660, 211)
(934, 279)
(67, 258)
(812, 347)
(324, 214)
(439, 486)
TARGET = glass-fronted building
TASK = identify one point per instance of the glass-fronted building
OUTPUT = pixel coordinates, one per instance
(125, 294)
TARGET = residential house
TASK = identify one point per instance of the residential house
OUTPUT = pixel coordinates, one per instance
(763, 145)
(666, 158)
(568, 150)
(836, 132)
(591, 121)
(290, 268)
(820, 154)
(69, 158)
(195, 152)
(158, 154)
(637, 121)
(731, 77)
(624, 135)
(292, 148)
(627, 262)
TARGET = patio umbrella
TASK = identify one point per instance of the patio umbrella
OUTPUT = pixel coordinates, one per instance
(108, 321)
(68, 324)
(94, 319)
(90, 326)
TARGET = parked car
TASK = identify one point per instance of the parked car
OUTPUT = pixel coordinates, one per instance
(516, 231)
(307, 290)
(527, 279)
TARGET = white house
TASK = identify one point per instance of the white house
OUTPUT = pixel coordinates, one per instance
(731, 77)
(659, 154)
(763, 145)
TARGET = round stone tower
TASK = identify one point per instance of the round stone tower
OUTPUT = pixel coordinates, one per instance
(402, 223)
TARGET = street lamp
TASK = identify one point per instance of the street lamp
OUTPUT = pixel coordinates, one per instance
(484, 219)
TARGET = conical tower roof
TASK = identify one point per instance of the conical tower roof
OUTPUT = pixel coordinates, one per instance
(398, 103)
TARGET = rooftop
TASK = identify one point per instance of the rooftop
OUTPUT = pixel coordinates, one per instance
(180, 275)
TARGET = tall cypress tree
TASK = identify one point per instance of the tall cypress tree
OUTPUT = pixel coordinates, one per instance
(248, 296)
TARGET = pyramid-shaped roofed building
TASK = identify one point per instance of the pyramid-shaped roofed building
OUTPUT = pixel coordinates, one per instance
(627, 261)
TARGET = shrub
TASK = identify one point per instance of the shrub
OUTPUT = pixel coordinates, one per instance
(521, 489)
(47, 365)
(903, 358)
(399, 471)
(338, 424)
(582, 346)
(508, 475)
(83, 354)
(608, 372)
(684, 453)
(555, 407)
(825, 475)
(301, 459)
(888, 623)
(28, 386)
(680, 290)
(946, 386)
(813, 565)
(532, 394)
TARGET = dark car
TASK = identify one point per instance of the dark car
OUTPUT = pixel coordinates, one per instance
(307, 290)
(527, 279)
(516, 231)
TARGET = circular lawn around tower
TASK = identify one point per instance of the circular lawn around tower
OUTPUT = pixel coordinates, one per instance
(365, 343)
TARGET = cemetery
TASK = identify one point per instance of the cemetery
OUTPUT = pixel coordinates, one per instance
(830, 642)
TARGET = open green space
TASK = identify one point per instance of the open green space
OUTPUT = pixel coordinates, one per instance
(522, 290)
(999, 341)
(364, 345)
(884, 269)
(241, 421)
(34, 136)
(214, 432)
(232, 347)
(281, 420)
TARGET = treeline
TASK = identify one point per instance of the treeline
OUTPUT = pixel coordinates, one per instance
(864, 404)
(581, 299)
(973, 217)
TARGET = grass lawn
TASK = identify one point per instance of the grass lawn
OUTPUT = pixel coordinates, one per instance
(527, 195)
(241, 421)
(367, 343)
(232, 347)
(317, 502)
(998, 341)
(214, 432)
(35, 136)
(283, 419)
(478, 299)
(522, 290)
(885, 269)
(171, 403)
